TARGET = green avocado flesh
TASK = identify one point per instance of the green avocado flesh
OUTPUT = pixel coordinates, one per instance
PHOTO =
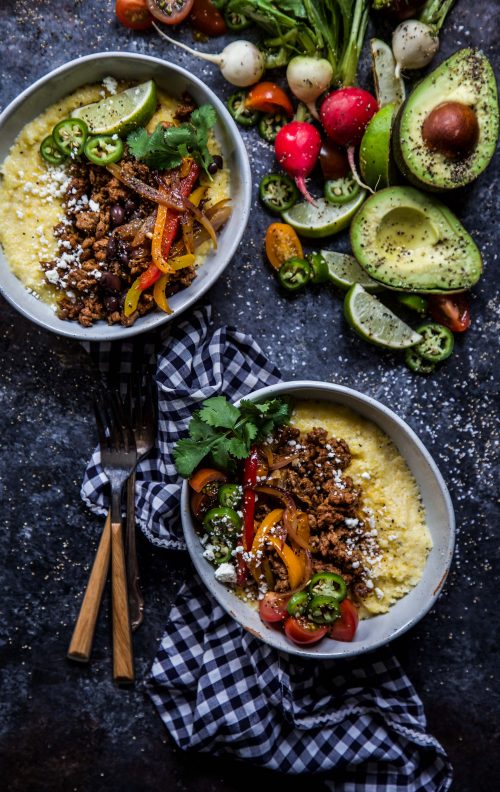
(467, 78)
(410, 241)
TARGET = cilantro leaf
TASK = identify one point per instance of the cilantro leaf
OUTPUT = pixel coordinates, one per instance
(217, 411)
(188, 454)
(168, 145)
(238, 448)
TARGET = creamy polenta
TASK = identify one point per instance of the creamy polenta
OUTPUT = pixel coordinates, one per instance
(32, 192)
(391, 503)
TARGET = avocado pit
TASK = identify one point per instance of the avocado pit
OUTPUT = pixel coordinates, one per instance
(451, 129)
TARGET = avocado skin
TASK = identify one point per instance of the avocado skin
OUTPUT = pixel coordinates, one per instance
(364, 244)
(468, 56)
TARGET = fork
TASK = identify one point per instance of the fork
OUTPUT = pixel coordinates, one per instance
(140, 406)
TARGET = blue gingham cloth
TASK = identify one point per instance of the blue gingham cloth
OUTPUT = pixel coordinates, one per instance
(217, 688)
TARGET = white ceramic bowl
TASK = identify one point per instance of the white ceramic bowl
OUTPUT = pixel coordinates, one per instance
(378, 630)
(174, 80)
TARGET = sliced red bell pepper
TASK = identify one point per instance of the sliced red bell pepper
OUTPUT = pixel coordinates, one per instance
(173, 217)
(249, 481)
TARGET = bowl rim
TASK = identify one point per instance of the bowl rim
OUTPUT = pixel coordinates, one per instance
(218, 590)
(102, 331)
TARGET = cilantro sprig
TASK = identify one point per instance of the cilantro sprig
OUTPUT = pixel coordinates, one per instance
(225, 433)
(166, 147)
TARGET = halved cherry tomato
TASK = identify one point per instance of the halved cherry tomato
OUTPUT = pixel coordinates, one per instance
(344, 628)
(170, 12)
(207, 19)
(282, 243)
(205, 476)
(453, 312)
(267, 97)
(133, 14)
(303, 632)
(201, 503)
(333, 161)
(272, 608)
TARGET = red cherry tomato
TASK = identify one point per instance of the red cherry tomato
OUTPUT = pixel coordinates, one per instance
(207, 19)
(272, 608)
(344, 628)
(303, 632)
(170, 12)
(133, 14)
(453, 312)
(267, 97)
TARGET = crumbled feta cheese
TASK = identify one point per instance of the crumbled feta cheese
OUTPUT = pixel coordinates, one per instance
(110, 84)
(93, 206)
(226, 573)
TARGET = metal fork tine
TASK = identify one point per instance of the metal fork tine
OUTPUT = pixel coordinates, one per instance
(100, 424)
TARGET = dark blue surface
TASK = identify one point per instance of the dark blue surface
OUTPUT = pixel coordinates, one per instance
(67, 728)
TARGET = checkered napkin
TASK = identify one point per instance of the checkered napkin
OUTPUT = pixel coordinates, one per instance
(220, 690)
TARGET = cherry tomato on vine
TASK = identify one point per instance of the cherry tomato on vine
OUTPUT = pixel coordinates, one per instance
(133, 14)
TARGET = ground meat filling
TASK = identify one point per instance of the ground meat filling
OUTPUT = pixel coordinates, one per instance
(342, 539)
(99, 254)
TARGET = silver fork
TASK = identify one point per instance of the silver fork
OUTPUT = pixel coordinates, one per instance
(118, 459)
(140, 406)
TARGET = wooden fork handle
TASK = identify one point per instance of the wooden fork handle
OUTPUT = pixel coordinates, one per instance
(123, 661)
(83, 634)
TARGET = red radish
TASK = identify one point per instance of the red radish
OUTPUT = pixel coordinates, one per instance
(297, 147)
(345, 115)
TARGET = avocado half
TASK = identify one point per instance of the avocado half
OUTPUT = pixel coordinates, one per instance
(409, 241)
(465, 77)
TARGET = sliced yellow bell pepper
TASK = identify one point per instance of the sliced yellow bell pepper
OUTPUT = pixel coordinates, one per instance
(294, 563)
(159, 295)
(182, 261)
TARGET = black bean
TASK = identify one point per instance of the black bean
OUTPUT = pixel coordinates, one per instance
(129, 207)
(212, 168)
(112, 303)
(219, 161)
(123, 254)
(117, 215)
(110, 282)
(112, 248)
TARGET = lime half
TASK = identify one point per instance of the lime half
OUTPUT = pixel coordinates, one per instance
(324, 219)
(120, 113)
(344, 271)
(375, 323)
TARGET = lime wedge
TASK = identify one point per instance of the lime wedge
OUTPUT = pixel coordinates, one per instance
(324, 219)
(375, 149)
(121, 112)
(344, 271)
(375, 323)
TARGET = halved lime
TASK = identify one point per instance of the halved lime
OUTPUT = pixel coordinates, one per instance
(375, 149)
(324, 219)
(344, 271)
(375, 323)
(120, 113)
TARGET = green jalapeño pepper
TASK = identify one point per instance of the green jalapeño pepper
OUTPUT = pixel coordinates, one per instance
(417, 364)
(270, 124)
(230, 495)
(320, 272)
(328, 584)
(70, 136)
(278, 192)
(241, 114)
(437, 343)
(222, 554)
(103, 149)
(222, 522)
(50, 153)
(297, 604)
(323, 609)
(236, 22)
(294, 273)
(276, 57)
(340, 191)
(414, 302)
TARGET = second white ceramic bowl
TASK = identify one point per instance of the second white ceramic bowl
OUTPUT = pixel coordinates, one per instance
(378, 630)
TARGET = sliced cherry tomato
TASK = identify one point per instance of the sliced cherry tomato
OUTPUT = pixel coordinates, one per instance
(207, 19)
(267, 97)
(333, 161)
(134, 14)
(453, 312)
(170, 12)
(345, 627)
(272, 608)
(303, 632)
(205, 476)
(282, 243)
(201, 503)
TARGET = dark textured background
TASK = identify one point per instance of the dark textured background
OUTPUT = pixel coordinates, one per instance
(67, 728)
